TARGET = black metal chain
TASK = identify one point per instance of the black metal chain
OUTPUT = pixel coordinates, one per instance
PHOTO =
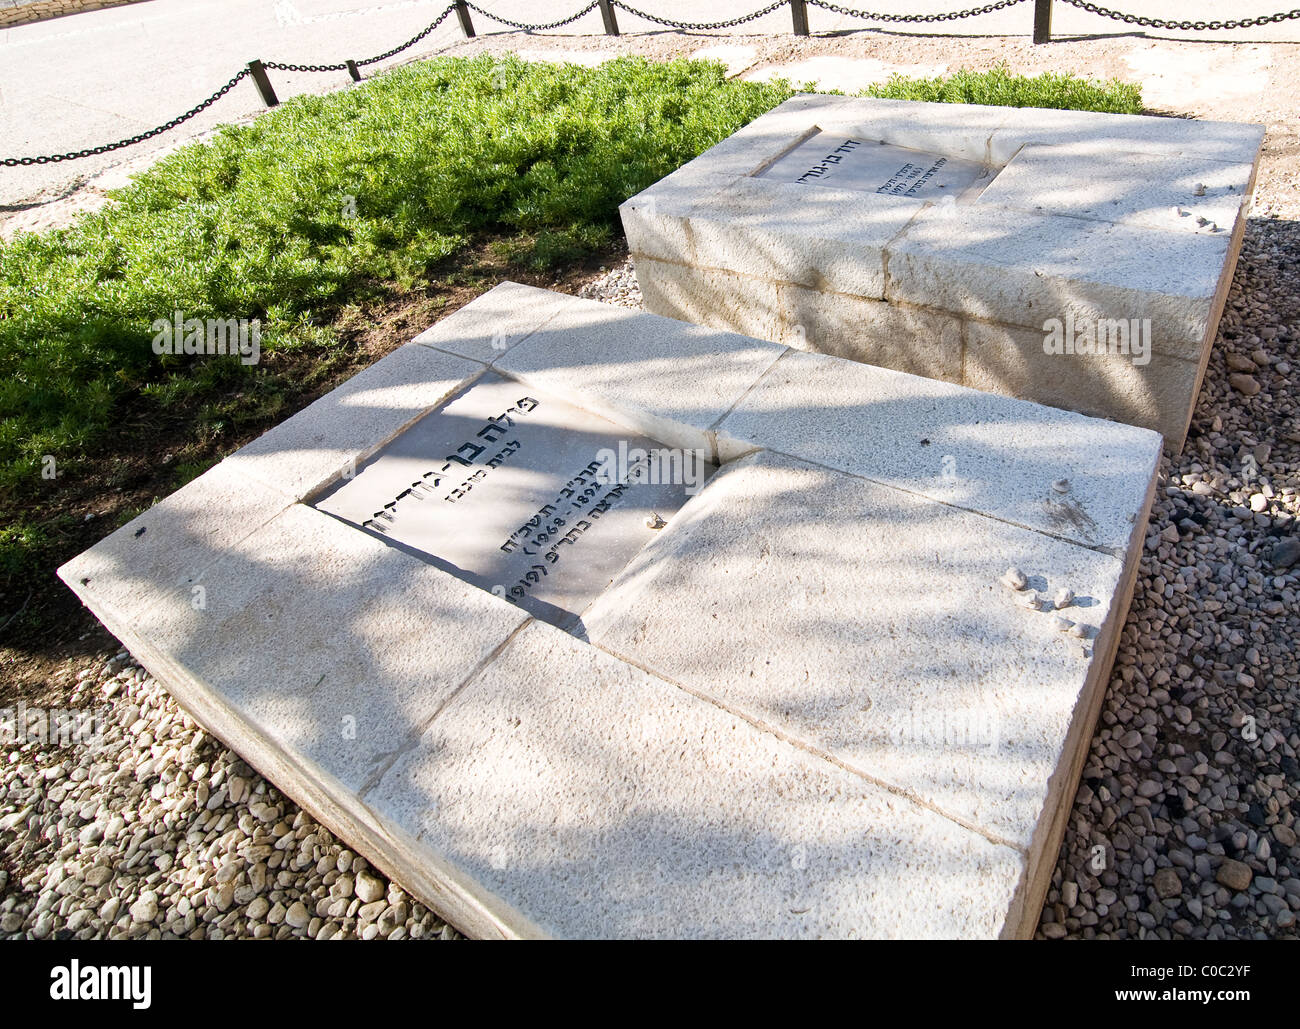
(699, 26)
(410, 42)
(277, 66)
(913, 18)
(537, 28)
(1186, 26)
(12, 162)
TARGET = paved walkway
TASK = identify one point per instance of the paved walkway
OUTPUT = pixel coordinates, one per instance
(104, 75)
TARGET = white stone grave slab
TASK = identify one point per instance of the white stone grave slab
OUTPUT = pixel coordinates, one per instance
(805, 705)
(1075, 259)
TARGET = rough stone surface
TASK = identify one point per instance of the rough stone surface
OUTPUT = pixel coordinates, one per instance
(1010, 359)
(331, 643)
(966, 261)
(869, 331)
(1216, 594)
(601, 779)
(1087, 216)
(173, 542)
(706, 295)
(319, 443)
(979, 451)
(1184, 192)
(667, 379)
(955, 695)
(496, 321)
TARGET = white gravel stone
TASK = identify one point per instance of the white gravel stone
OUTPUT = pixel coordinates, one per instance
(368, 888)
(297, 915)
(146, 908)
(148, 873)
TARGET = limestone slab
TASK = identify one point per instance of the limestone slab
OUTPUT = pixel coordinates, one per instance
(171, 543)
(839, 324)
(308, 451)
(1053, 214)
(667, 379)
(1010, 360)
(1024, 268)
(485, 329)
(805, 702)
(870, 624)
(998, 456)
(1167, 192)
(655, 223)
(756, 147)
(961, 131)
(1084, 133)
(336, 645)
(703, 296)
(578, 796)
(869, 331)
(826, 238)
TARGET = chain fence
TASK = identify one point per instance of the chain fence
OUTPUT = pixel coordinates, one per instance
(535, 28)
(699, 26)
(799, 9)
(914, 18)
(11, 162)
(1183, 26)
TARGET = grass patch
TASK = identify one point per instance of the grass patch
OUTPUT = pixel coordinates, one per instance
(1000, 88)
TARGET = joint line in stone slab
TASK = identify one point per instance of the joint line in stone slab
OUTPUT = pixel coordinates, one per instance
(817, 752)
(413, 740)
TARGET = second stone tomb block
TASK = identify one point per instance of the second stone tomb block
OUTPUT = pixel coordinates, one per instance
(1075, 259)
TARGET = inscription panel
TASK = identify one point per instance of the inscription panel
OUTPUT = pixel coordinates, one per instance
(520, 493)
(872, 166)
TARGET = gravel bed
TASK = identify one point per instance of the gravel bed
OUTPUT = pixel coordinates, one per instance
(1183, 825)
(1185, 822)
(154, 830)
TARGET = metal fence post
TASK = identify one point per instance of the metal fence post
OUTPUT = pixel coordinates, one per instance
(262, 83)
(607, 13)
(1042, 21)
(353, 70)
(462, 12)
(799, 8)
